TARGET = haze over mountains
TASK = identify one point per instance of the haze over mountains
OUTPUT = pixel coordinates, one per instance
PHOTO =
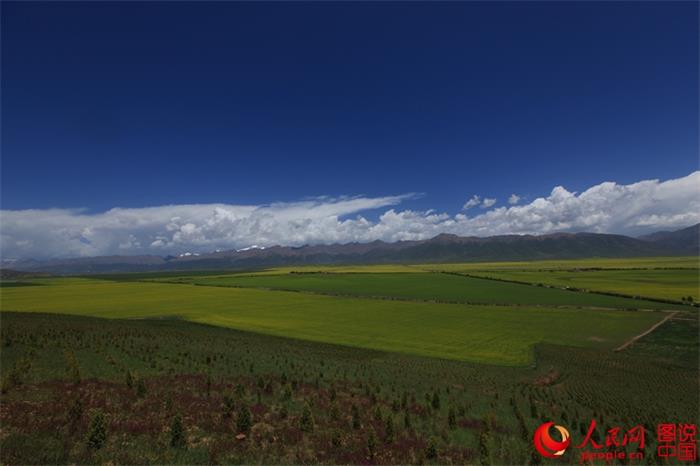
(442, 248)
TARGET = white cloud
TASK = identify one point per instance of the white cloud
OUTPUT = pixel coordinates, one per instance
(513, 199)
(473, 202)
(609, 207)
(488, 202)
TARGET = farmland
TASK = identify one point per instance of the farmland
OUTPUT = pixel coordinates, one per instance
(363, 364)
(61, 370)
(424, 286)
(491, 334)
(660, 278)
(663, 284)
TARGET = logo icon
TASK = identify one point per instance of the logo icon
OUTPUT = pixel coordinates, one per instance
(546, 445)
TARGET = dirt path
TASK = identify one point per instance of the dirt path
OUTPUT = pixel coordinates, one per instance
(651, 329)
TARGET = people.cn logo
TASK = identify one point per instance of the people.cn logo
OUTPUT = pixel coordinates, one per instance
(546, 445)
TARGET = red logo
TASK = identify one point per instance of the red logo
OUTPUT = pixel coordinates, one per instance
(546, 445)
(674, 441)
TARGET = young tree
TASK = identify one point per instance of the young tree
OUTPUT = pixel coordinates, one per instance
(72, 366)
(333, 412)
(356, 424)
(228, 406)
(177, 433)
(484, 453)
(389, 429)
(140, 388)
(97, 433)
(287, 393)
(535, 458)
(378, 414)
(336, 439)
(431, 451)
(436, 401)
(75, 413)
(244, 421)
(452, 418)
(407, 419)
(371, 443)
(306, 423)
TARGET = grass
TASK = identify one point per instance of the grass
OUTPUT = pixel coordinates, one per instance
(688, 262)
(679, 262)
(663, 284)
(425, 286)
(489, 334)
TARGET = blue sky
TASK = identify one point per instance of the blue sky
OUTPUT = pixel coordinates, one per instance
(148, 104)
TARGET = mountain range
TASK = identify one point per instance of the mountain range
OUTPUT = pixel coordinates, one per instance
(442, 248)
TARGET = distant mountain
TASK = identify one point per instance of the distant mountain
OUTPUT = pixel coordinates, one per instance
(9, 274)
(442, 248)
(687, 238)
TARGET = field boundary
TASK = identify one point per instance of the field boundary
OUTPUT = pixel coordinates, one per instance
(632, 340)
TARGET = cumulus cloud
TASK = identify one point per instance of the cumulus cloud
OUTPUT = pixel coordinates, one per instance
(488, 202)
(513, 199)
(608, 207)
(473, 202)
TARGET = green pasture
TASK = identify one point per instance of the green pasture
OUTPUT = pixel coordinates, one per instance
(676, 262)
(425, 286)
(655, 283)
(679, 262)
(491, 334)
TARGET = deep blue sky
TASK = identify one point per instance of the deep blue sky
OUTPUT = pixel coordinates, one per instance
(138, 104)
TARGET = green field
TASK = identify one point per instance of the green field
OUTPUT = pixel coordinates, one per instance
(654, 283)
(425, 286)
(492, 334)
(665, 278)
(679, 262)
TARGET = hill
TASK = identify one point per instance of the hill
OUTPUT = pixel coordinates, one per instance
(442, 248)
(686, 238)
